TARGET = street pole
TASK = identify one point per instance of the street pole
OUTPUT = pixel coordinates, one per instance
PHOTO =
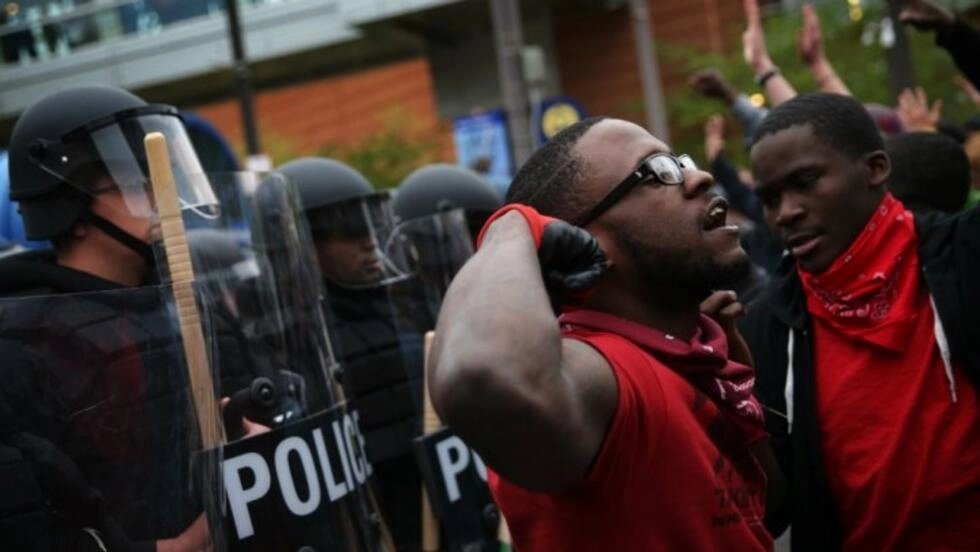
(509, 40)
(646, 53)
(243, 79)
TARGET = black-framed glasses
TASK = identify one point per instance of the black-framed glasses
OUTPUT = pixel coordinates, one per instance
(662, 167)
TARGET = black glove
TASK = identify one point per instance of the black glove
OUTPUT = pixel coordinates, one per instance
(571, 260)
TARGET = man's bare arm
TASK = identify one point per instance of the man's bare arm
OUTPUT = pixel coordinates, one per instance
(810, 42)
(776, 88)
(535, 406)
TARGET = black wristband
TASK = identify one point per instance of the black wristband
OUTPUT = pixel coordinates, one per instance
(760, 80)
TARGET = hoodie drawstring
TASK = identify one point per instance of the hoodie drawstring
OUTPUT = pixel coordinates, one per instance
(943, 344)
(788, 391)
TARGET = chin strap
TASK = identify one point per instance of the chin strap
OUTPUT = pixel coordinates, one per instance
(141, 248)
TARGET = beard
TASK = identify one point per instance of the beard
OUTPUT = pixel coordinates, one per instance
(683, 274)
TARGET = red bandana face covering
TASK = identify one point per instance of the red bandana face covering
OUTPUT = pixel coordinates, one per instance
(869, 291)
(703, 361)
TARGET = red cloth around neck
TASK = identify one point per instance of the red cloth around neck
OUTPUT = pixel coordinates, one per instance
(869, 290)
(703, 361)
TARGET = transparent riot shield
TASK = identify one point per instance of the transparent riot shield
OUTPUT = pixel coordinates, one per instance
(385, 281)
(441, 244)
(96, 406)
(293, 471)
(455, 477)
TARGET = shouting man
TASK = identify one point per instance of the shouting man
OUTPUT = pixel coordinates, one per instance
(624, 425)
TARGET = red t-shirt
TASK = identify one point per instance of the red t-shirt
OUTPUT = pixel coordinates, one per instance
(672, 474)
(902, 459)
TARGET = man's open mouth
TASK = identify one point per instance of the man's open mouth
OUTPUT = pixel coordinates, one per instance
(717, 214)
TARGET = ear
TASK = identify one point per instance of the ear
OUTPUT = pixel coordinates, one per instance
(879, 166)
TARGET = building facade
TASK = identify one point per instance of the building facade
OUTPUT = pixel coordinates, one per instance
(332, 73)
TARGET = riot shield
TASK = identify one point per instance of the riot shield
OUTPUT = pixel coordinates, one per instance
(385, 282)
(441, 244)
(95, 402)
(293, 472)
(454, 476)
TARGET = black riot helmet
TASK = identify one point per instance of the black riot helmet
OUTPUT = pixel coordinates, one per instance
(321, 182)
(439, 188)
(74, 145)
(353, 227)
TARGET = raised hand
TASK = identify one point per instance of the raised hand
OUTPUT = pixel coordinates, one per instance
(810, 39)
(724, 307)
(713, 84)
(914, 111)
(925, 15)
(570, 257)
(714, 137)
(754, 40)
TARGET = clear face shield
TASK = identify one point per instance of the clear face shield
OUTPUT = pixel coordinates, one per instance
(107, 156)
(358, 243)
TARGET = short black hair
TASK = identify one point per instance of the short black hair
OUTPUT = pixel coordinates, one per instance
(840, 122)
(551, 180)
(930, 171)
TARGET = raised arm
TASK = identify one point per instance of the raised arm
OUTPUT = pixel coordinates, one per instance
(954, 35)
(534, 405)
(810, 44)
(776, 88)
(712, 84)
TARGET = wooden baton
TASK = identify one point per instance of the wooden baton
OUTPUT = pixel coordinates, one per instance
(430, 423)
(178, 258)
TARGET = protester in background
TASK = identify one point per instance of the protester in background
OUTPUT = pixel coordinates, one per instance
(865, 347)
(627, 425)
(767, 75)
(712, 84)
(810, 47)
(915, 112)
(929, 172)
(954, 35)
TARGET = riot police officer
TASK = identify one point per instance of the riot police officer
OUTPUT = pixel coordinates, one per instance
(93, 414)
(374, 324)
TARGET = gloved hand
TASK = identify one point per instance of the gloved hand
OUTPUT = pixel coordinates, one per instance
(571, 260)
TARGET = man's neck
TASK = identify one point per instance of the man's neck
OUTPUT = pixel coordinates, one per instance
(83, 260)
(676, 316)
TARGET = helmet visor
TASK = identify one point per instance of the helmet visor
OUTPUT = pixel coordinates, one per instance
(107, 157)
(358, 243)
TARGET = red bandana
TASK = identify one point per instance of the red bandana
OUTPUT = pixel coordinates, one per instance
(868, 293)
(703, 361)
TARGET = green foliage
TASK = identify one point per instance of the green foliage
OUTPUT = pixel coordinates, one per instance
(386, 157)
(279, 148)
(854, 49)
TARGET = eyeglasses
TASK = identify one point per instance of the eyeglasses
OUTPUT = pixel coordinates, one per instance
(662, 167)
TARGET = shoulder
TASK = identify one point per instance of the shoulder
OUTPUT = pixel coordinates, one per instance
(627, 377)
(939, 232)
